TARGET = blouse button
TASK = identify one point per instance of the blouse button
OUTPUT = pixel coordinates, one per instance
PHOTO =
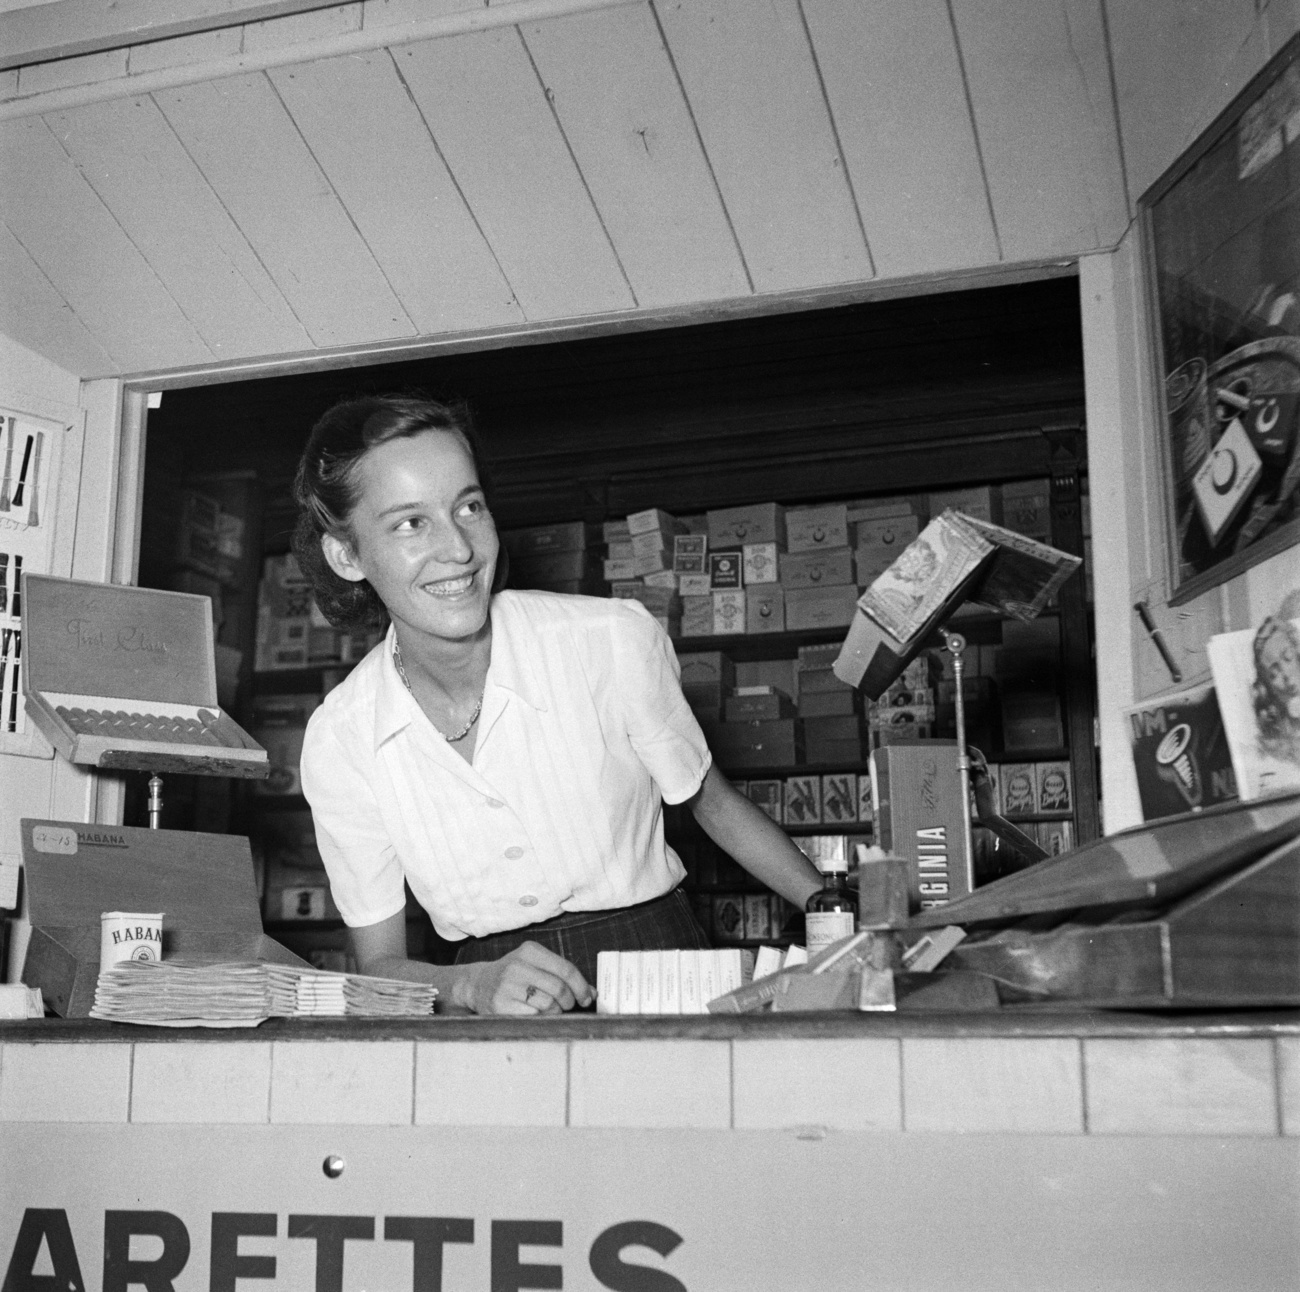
(528, 900)
(514, 853)
(495, 803)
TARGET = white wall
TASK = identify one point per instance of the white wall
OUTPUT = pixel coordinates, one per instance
(86, 526)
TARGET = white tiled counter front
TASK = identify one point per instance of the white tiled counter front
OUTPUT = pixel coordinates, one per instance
(815, 1151)
(1092, 1074)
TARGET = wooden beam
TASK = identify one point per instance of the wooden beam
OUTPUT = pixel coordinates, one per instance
(67, 28)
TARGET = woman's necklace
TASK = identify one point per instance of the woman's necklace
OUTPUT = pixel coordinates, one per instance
(406, 682)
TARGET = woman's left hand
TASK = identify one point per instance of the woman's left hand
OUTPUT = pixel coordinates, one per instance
(530, 980)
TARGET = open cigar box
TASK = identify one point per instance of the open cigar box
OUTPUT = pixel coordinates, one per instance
(122, 677)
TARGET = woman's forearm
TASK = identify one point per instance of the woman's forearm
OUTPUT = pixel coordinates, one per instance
(746, 833)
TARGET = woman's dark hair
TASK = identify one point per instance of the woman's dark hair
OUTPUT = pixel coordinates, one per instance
(326, 489)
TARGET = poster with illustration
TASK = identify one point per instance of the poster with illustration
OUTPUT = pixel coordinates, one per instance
(1222, 233)
(1257, 679)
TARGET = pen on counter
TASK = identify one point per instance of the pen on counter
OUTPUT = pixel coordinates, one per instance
(1153, 631)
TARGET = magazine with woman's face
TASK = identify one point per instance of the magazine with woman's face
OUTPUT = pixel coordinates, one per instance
(1257, 678)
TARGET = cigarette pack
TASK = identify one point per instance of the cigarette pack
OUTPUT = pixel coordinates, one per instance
(729, 612)
(629, 983)
(803, 800)
(708, 972)
(690, 553)
(697, 614)
(758, 917)
(759, 523)
(1019, 788)
(839, 798)
(688, 976)
(817, 568)
(726, 569)
(608, 977)
(1054, 788)
(809, 528)
(695, 585)
(651, 995)
(670, 987)
(729, 917)
(759, 563)
(766, 796)
(765, 608)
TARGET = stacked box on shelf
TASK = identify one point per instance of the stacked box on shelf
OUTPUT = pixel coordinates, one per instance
(817, 568)
(284, 615)
(209, 540)
(707, 678)
(882, 530)
(554, 558)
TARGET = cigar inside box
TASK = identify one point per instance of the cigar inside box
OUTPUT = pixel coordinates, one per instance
(126, 677)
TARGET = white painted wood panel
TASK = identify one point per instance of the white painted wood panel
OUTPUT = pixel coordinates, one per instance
(895, 87)
(369, 138)
(131, 157)
(751, 80)
(487, 111)
(93, 265)
(33, 313)
(619, 103)
(1045, 117)
(1176, 66)
(249, 150)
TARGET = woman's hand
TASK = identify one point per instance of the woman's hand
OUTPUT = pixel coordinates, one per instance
(530, 980)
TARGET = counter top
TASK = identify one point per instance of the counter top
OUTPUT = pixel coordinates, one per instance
(1035, 1021)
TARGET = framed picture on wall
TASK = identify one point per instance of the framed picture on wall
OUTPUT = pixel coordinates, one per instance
(1222, 236)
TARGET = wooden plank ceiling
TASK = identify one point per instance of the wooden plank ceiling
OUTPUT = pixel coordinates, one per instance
(672, 153)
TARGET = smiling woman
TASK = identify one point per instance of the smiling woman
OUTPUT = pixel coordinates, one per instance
(505, 754)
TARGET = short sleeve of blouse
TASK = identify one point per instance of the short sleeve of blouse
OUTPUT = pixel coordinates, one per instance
(365, 874)
(660, 724)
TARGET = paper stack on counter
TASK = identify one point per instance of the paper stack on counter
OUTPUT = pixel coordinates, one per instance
(170, 993)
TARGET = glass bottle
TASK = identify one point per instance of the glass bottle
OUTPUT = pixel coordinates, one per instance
(830, 913)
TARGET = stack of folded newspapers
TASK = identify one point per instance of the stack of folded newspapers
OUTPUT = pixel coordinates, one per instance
(243, 993)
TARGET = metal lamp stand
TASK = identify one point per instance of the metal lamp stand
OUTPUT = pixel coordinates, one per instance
(955, 644)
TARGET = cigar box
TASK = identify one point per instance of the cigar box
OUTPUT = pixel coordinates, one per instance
(978, 502)
(775, 743)
(803, 800)
(618, 568)
(758, 523)
(765, 608)
(759, 563)
(695, 585)
(691, 553)
(203, 884)
(816, 681)
(662, 579)
(819, 607)
(765, 705)
(651, 563)
(615, 531)
(642, 522)
(839, 798)
(125, 678)
(758, 917)
(817, 568)
(540, 540)
(833, 740)
(839, 703)
(810, 528)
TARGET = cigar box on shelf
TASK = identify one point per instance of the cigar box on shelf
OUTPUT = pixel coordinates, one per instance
(125, 678)
(202, 883)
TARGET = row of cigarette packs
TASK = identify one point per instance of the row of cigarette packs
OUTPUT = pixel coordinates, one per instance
(742, 917)
(835, 798)
(291, 631)
(668, 982)
(1031, 789)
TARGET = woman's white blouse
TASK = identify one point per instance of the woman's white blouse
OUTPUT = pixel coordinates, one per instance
(584, 733)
